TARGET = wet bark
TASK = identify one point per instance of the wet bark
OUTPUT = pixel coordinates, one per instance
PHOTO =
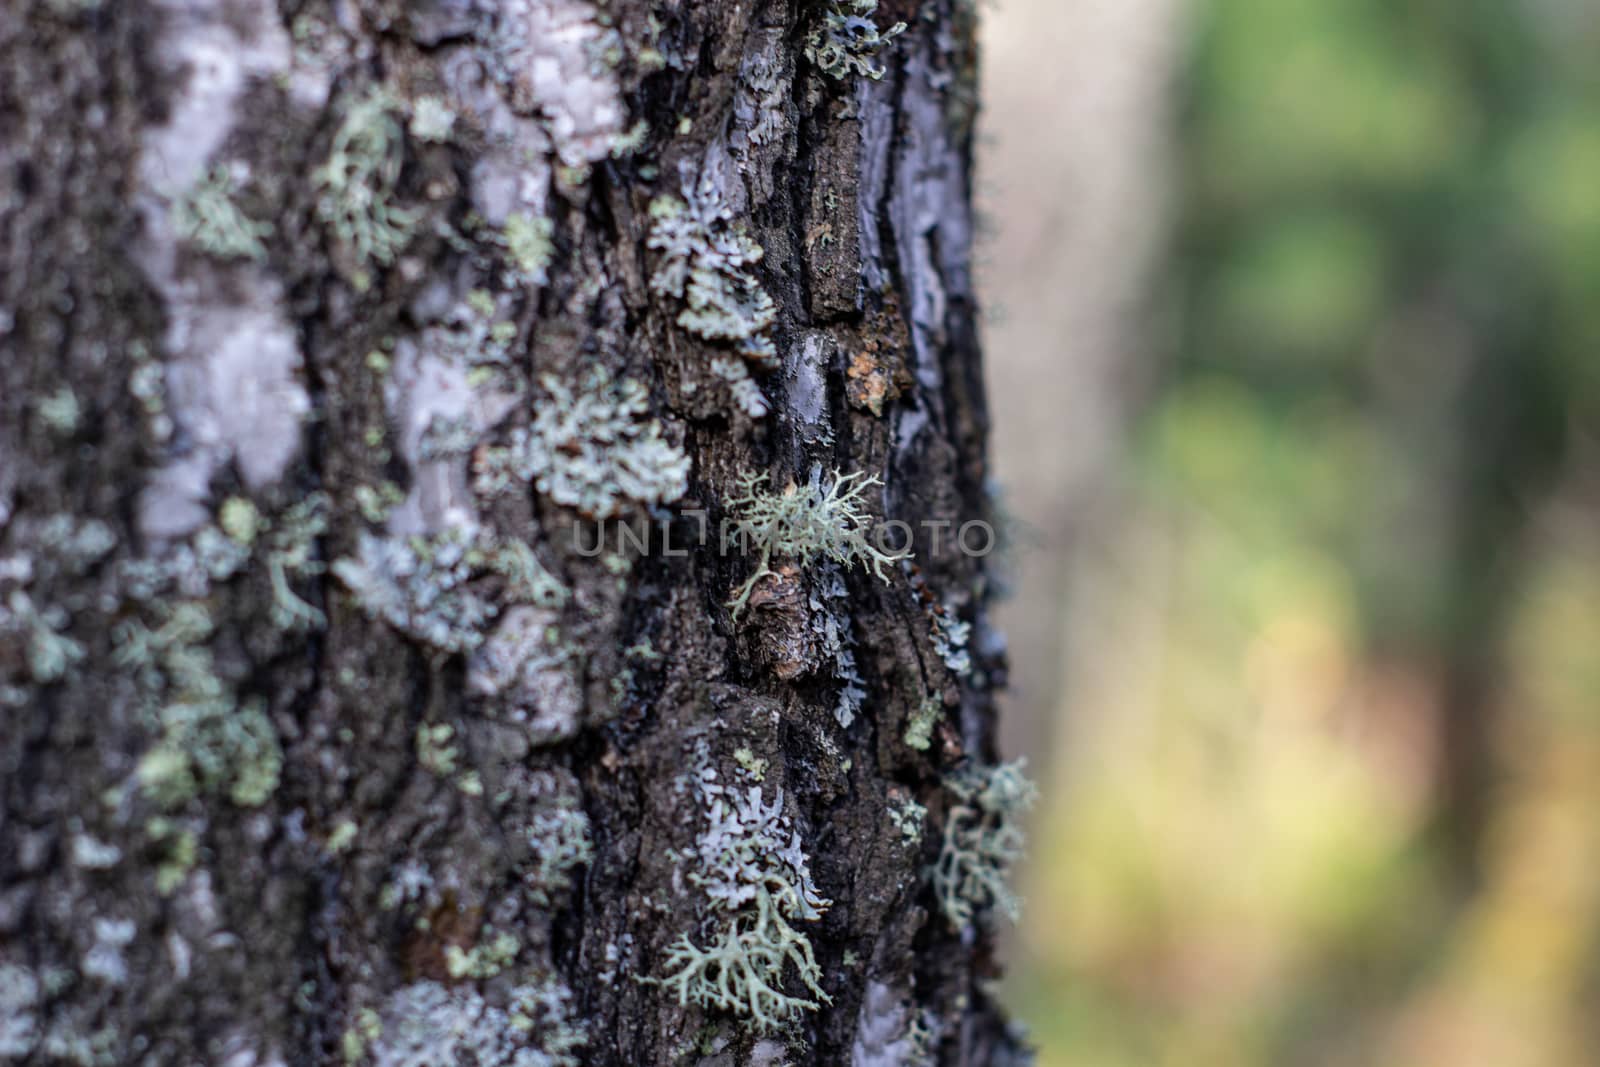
(335, 339)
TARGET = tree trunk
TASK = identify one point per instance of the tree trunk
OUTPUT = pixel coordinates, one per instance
(402, 658)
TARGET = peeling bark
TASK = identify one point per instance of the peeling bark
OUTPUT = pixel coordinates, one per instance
(336, 337)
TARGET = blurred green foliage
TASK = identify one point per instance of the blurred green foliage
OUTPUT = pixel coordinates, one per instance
(1333, 794)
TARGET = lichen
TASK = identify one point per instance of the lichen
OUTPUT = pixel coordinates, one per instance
(528, 241)
(590, 449)
(752, 869)
(356, 187)
(209, 742)
(705, 261)
(559, 839)
(432, 119)
(40, 629)
(908, 815)
(919, 728)
(982, 839)
(950, 635)
(847, 41)
(823, 519)
(20, 998)
(208, 217)
(426, 1024)
(494, 952)
(706, 264)
(422, 586)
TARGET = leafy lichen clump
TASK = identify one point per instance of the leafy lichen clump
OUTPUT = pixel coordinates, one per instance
(208, 216)
(559, 838)
(982, 839)
(422, 587)
(527, 239)
(706, 263)
(590, 449)
(209, 741)
(751, 866)
(847, 41)
(427, 1024)
(824, 519)
(356, 187)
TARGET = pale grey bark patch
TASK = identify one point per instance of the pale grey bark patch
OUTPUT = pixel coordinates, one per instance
(556, 53)
(233, 357)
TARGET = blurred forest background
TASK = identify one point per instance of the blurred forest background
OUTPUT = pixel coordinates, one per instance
(1295, 361)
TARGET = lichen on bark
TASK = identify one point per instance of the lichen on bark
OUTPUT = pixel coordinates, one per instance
(327, 737)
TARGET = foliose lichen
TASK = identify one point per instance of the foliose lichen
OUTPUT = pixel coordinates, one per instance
(356, 186)
(208, 740)
(527, 239)
(982, 839)
(706, 263)
(426, 1024)
(751, 866)
(823, 519)
(847, 41)
(919, 728)
(559, 839)
(590, 449)
(422, 586)
(208, 217)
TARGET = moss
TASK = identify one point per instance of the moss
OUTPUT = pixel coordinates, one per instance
(208, 218)
(982, 839)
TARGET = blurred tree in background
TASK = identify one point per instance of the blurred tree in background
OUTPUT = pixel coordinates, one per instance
(1339, 802)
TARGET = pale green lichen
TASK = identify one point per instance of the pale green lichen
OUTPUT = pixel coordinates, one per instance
(847, 41)
(60, 411)
(177, 847)
(559, 840)
(431, 119)
(494, 952)
(824, 519)
(982, 839)
(436, 750)
(422, 587)
(20, 1000)
(919, 729)
(590, 449)
(40, 629)
(209, 742)
(908, 816)
(706, 262)
(427, 1024)
(528, 241)
(208, 217)
(750, 864)
(356, 186)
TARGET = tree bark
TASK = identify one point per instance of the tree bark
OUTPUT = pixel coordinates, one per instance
(337, 337)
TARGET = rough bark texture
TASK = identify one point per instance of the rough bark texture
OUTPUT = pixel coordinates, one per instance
(334, 337)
